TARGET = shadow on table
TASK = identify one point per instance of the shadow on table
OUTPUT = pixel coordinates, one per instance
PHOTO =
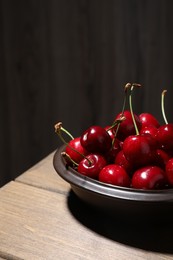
(152, 236)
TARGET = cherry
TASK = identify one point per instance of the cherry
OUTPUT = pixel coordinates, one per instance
(96, 140)
(113, 151)
(75, 150)
(150, 129)
(149, 177)
(114, 174)
(165, 136)
(122, 161)
(162, 158)
(91, 165)
(135, 151)
(148, 119)
(165, 132)
(169, 171)
(110, 131)
(139, 150)
(127, 127)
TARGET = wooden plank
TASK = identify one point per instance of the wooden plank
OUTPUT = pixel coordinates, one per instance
(40, 224)
(43, 175)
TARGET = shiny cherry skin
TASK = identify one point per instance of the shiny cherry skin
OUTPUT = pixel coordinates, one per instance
(139, 150)
(165, 136)
(148, 119)
(122, 161)
(91, 165)
(96, 140)
(152, 130)
(110, 131)
(114, 174)
(126, 127)
(162, 157)
(149, 178)
(113, 151)
(169, 172)
(75, 150)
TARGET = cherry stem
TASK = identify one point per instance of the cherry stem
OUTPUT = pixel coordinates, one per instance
(122, 118)
(58, 128)
(162, 104)
(67, 157)
(116, 122)
(131, 108)
(126, 88)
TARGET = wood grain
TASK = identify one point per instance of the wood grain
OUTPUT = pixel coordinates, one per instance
(43, 175)
(38, 224)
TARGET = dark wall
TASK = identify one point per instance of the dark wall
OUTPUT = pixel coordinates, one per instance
(68, 61)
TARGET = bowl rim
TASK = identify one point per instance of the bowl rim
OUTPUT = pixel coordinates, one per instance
(103, 189)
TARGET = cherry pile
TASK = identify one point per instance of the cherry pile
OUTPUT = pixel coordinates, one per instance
(134, 151)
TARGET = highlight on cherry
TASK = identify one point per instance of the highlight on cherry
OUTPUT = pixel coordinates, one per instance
(133, 151)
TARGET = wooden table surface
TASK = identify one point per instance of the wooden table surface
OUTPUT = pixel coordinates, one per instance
(41, 218)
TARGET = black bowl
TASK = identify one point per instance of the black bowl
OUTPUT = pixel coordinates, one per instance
(115, 200)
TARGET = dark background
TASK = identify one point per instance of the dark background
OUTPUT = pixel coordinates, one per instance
(68, 60)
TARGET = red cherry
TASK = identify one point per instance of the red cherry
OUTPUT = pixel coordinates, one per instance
(75, 150)
(114, 174)
(162, 158)
(121, 144)
(165, 136)
(149, 178)
(113, 151)
(122, 161)
(127, 127)
(91, 165)
(110, 131)
(152, 130)
(96, 140)
(148, 119)
(169, 171)
(139, 150)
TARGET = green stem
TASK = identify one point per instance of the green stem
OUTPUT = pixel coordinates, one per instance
(131, 110)
(65, 155)
(162, 104)
(126, 88)
(65, 142)
(58, 128)
(122, 118)
(116, 122)
(65, 131)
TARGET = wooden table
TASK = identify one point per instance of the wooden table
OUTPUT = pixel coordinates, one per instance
(41, 218)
